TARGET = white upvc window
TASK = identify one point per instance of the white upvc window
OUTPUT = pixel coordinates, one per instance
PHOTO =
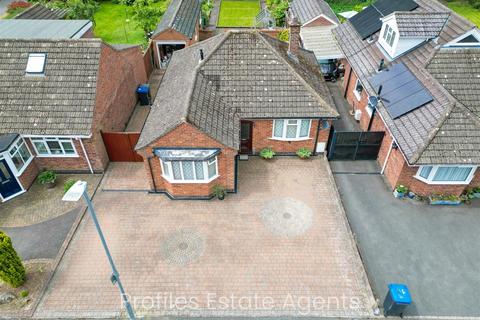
(444, 174)
(20, 155)
(291, 129)
(389, 35)
(36, 63)
(54, 147)
(358, 89)
(186, 171)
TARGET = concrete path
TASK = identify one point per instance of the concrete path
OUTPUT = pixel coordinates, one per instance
(346, 121)
(212, 23)
(432, 249)
(42, 240)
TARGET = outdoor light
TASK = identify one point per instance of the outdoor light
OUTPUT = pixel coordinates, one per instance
(76, 191)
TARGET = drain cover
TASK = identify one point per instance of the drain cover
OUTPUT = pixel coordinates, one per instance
(287, 217)
(182, 247)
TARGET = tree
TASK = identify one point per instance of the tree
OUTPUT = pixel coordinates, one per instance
(278, 9)
(12, 270)
(81, 9)
(146, 15)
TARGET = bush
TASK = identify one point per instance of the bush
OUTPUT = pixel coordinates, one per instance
(12, 270)
(476, 190)
(283, 35)
(24, 293)
(18, 4)
(304, 153)
(219, 191)
(47, 176)
(81, 9)
(207, 6)
(68, 184)
(278, 9)
(267, 153)
(401, 189)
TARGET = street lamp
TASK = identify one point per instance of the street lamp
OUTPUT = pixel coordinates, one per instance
(74, 194)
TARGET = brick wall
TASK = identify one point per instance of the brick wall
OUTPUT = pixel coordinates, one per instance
(185, 135)
(319, 21)
(28, 176)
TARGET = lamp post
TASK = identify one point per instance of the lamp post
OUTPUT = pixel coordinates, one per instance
(74, 194)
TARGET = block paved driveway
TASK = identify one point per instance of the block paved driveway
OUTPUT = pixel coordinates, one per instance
(433, 249)
(281, 246)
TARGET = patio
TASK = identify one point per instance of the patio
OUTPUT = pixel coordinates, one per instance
(280, 246)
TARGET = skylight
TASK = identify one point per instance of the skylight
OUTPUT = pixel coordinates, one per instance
(36, 63)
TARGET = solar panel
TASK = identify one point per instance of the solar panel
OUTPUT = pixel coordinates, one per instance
(401, 92)
(367, 21)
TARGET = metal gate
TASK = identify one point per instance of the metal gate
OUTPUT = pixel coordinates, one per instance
(121, 146)
(356, 145)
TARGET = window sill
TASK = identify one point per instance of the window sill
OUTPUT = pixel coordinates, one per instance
(447, 183)
(357, 95)
(284, 139)
(189, 181)
(57, 156)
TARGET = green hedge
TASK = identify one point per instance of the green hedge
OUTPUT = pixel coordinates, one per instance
(12, 270)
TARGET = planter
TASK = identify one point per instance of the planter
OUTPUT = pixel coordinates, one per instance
(445, 202)
(398, 195)
(51, 185)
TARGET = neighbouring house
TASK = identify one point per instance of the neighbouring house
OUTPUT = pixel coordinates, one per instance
(317, 21)
(41, 12)
(228, 97)
(179, 28)
(45, 29)
(413, 71)
(55, 98)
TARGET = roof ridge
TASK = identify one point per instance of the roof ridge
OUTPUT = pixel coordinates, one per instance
(302, 80)
(176, 12)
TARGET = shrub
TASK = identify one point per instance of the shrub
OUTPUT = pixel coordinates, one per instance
(278, 9)
(207, 6)
(304, 153)
(267, 153)
(219, 191)
(401, 189)
(81, 9)
(476, 190)
(47, 176)
(283, 35)
(146, 15)
(18, 4)
(24, 293)
(12, 270)
(68, 184)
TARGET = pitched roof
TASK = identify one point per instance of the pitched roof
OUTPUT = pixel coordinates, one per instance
(6, 140)
(306, 10)
(426, 25)
(413, 132)
(244, 74)
(61, 102)
(43, 29)
(182, 16)
(320, 40)
(39, 11)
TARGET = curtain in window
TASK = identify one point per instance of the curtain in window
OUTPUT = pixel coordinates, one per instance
(452, 173)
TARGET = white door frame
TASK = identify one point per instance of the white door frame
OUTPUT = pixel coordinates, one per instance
(8, 161)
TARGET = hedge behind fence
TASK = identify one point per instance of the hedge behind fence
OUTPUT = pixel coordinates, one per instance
(11, 267)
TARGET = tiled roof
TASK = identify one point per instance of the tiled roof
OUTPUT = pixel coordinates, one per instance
(182, 16)
(425, 25)
(61, 102)
(306, 10)
(244, 74)
(39, 11)
(413, 131)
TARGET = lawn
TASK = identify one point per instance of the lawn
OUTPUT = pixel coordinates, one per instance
(238, 13)
(114, 23)
(466, 10)
(348, 5)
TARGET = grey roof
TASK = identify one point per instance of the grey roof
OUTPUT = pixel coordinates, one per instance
(414, 131)
(61, 102)
(306, 10)
(245, 74)
(425, 25)
(6, 140)
(182, 16)
(39, 11)
(43, 29)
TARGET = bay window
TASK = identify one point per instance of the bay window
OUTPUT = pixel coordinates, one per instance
(20, 155)
(54, 147)
(446, 174)
(291, 129)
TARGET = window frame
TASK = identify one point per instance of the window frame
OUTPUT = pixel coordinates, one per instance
(433, 171)
(284, 130)
(9, 157)
(36, 73)
(357, 93)
(389, 35)
(168, 174)
(50, 154)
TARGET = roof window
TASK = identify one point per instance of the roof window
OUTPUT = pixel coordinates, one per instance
(36, 63)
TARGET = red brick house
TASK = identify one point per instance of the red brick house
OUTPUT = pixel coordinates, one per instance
(179, 28)
(421, 61)
(56, 96)
(232, 95)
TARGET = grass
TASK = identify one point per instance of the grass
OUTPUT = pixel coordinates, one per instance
(238, 13)
(463, 8)
(348, 5)
(114, 23)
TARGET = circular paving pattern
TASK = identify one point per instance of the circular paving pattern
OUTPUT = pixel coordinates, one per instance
(287, 217)
(182, 247)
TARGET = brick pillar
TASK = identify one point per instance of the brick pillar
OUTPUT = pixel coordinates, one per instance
(294, 37)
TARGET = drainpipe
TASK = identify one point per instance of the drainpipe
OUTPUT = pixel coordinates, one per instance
(86, 155)
(316, 138)
(151, 174)
(388, 156)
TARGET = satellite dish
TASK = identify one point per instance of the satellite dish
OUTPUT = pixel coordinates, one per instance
(373, 101)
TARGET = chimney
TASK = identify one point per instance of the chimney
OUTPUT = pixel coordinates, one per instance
(294, 37)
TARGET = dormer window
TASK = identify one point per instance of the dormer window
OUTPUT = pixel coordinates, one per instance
(389, 35)
(36, 64)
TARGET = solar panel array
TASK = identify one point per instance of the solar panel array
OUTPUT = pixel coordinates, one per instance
(401, 92)
(367, 21)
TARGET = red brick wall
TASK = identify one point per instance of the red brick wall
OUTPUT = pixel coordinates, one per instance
(88, 34)
(185, 135)
(28, 176)
(352, 99)
(148, 61)
(172, 35)
(262, 138)
(320, 21)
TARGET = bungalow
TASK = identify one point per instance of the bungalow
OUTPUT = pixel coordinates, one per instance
(55, 98)
(179, 28)
(412, 71)
(233, 94)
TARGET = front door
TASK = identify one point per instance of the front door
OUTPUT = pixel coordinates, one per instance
(9, 185)
(246, 137)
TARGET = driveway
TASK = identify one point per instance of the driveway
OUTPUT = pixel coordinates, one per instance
(432, 249)
(281, 246)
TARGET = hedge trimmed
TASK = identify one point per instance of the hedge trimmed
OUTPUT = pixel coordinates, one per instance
(12, 270)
